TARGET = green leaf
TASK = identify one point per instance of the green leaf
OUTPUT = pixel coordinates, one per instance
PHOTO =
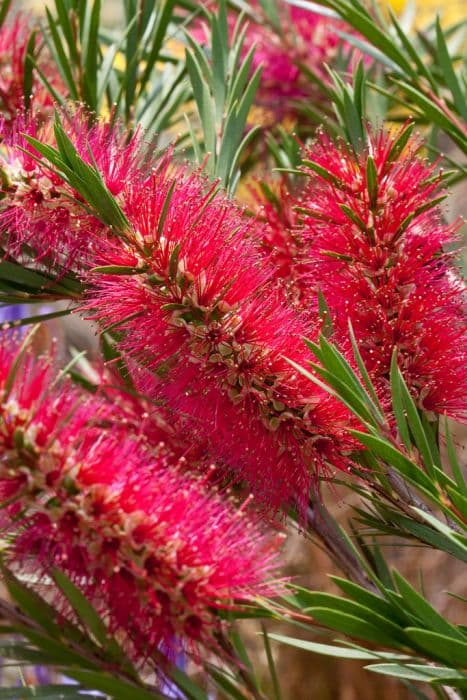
(424, 611)
(418, 672)
(400, 142)
(241, 78)
(430, 536)
(165, 208)
(164, 15)
(323, 173)
(354, 13)
(398, 404)
(351, 400)
(226, 684)
(190, 689)
(446, 64)
(48, 692)
(364, 611)
(271, 664)
(271, 11)
(28, 279)
(359, 90)
(90, 49)
(117, 270)
(204, 104)
(20, 352)
(327, 328)
(28, 70)
(85, 179)
(338, 652)
(458, 500)
(350, 214)
(442, 527)
(173, 261)
(4, 7)
(428, 109)
(55, 46)
(233, 171)
(219, 59)
(345, 393)
(364, 372)
(369, 600)
(412, 52)
(353, 626)
(336, 363)
(30, 602)
(241, 650)
(395, 458)
(24, 653)
(39, 318)
(111, 685)
(372, 181)
(440, 646)
(64, 22)
(82, 607)
(454, 462)
(57, 652)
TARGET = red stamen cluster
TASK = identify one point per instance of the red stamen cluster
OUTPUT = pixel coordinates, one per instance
(377, 243)
(199, 308)
(14, 39)
(39, 210)
(153, 549)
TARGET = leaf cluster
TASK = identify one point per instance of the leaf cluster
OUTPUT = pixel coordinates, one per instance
(407, 490)
(224, 91)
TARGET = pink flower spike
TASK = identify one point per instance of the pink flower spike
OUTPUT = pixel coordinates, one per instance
(157, 552)
(14, 37)
(377, 243)
(205, 316)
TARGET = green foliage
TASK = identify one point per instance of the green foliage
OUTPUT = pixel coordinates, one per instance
(401, 619)
(224, 94)
(124, 72)
(349, 103)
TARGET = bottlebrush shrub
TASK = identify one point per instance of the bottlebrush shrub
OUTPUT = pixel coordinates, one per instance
(39, 209)
(155, 550)
(377, 244)
(15, 43)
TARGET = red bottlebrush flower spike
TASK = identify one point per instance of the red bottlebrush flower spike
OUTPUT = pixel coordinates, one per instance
(154, 550)
(377, 241)
(14, 38)
(38, 209)
(206, 316)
